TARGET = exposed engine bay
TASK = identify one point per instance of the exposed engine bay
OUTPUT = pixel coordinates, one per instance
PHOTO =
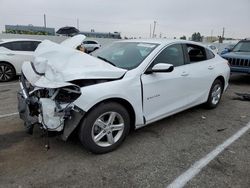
(46, 107)
(50, 108)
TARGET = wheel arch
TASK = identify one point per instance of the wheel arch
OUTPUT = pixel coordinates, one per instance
(222, 79)
(127, 105)
(69, 131)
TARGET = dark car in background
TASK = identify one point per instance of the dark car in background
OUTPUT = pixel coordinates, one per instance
(239, 57)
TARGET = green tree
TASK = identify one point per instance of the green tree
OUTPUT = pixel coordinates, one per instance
(196, 37)
(183, 37)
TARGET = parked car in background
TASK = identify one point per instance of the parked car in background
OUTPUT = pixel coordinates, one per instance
(239, 57)
(126, 85)
(213, 48)
(13, 52)
(91, 45)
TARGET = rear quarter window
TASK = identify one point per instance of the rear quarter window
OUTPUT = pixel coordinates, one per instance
(210, 54)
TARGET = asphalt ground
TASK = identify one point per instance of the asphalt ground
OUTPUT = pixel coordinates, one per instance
(153, 156)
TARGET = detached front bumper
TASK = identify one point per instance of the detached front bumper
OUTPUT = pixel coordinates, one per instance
(24, 109)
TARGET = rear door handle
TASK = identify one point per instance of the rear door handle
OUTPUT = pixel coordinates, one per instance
(210, 67)
(10, 54)
(184, 74)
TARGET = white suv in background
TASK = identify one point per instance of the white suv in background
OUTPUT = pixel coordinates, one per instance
(13, 52)
(91, 45)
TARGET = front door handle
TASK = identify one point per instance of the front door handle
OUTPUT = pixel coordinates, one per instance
(184, 74)
(10, 54)
(210, 67)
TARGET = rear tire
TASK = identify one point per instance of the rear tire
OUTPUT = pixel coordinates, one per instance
(214, 94)
(104, 128)
(7, 72)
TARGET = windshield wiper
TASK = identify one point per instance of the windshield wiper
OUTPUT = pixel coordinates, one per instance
(104, 59)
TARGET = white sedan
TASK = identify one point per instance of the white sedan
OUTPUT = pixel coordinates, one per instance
(91, 45)
(124, 86)
(13, 52)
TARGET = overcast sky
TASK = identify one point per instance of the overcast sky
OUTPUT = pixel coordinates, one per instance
(133, 17)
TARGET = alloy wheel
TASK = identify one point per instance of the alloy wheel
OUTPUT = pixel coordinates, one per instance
(108, 129)
(216, 94)
(6, 73)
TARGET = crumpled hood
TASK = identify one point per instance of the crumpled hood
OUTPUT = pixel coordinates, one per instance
(238, 55)
(59, 63)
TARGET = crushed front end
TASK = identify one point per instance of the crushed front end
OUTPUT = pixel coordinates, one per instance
(52, 109)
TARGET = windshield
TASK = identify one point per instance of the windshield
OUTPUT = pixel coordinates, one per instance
(243, 46)
(126, 55)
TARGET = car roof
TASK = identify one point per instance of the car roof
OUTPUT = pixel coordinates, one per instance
(163, 41)
(15, 40)
(90, 40)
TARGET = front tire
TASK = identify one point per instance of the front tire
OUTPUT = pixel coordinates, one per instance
(7, 72)
(214, 94)
(104, 128)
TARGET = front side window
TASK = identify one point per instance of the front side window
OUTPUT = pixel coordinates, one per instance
(171, 55)
(126, 55)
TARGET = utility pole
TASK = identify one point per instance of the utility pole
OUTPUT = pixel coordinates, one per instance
(154, 29)
(223, 33)
(150, 32)
(44, 20)
(77, 22)
(211, 39)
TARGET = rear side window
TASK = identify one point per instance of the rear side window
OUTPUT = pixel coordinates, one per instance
(210, 54)
(196, 53)
(22, 45)
(89, 42)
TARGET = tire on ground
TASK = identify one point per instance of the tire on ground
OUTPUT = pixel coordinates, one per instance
(210, 104)
(85, 131)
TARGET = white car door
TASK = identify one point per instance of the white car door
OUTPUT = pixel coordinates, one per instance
(18, 57)
(201, 72)
(166, 93)
(186, 86)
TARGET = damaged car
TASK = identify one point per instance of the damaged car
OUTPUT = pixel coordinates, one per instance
(124, 86)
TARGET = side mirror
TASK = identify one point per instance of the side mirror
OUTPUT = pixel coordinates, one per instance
(161, 67)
